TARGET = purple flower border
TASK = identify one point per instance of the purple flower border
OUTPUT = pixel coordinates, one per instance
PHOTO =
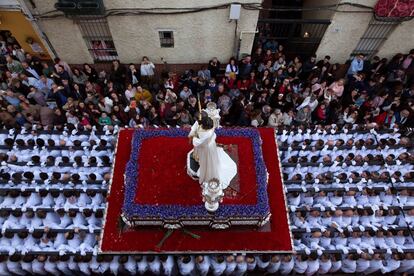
(130, 209)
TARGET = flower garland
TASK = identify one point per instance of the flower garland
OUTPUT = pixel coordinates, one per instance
(132, 210)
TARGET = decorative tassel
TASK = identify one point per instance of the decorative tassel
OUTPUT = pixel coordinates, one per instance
(166, 236)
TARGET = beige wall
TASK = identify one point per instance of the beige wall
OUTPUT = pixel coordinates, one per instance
(113, 4)
(42, 6)
(344, 32)
(67, 40)
(62, 32)
(401, 40)
(197, 36)
(48, 5)
(318, 14)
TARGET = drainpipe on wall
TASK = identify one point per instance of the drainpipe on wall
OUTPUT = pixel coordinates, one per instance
(241, 38)
(43, 37)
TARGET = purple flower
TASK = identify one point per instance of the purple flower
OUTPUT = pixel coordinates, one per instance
(131, 209)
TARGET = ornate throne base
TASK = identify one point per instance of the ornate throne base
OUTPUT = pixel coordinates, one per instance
(173, 216)
(151, 192)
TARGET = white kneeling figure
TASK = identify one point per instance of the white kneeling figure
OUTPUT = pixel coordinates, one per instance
(216, 168)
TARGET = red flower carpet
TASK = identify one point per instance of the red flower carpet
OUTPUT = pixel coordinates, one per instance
(163, 176)
(163, 180)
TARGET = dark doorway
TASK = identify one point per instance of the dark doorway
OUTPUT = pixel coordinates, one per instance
(284, 22)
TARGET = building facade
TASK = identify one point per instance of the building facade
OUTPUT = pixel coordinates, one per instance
(338, 28)
(356, 30)
(190, 32)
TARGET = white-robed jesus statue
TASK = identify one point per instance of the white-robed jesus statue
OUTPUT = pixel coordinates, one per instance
(214, 163)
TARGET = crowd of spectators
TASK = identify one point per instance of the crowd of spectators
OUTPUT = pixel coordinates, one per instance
(264, 89)
(347, 166)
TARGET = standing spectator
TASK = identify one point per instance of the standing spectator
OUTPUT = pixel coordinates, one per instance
(320, 113)
(271, 45)
(185, 93)
(130, 92)
(118, 74)
(350, 115)
(214, 67)
(257, 57)
(133, 75)
(310, 101)
(142, 94)
(39, 96)
(79, 77)
(104, 120)
(256, 118)
(44, 84)
(245, 67)
(91, 73)
(408, 61)
(232, 70)
(337, 88)
(268, 66)
(395, 63)
(58, 95)
(13, 65)
(325, 62)
(404, 118)
(28, 81)
(268, 56)
(280, 63)
(275, 119)
(303, 116)
(288, 118)
(308, 67)
(357, 65)
(204, 73)
(35, 63)
(29, 71)
(147, 71)
(59, 63)
(47, 70)
(60, 75)
(283, 87)
(170, 83)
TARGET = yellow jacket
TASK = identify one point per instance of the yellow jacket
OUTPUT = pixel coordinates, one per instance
(144, 95)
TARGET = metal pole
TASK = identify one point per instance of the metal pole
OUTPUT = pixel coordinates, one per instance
(236, 44)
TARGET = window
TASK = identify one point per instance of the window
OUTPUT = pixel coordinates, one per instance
(98, 38)
(375, 34)
(166, 39)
